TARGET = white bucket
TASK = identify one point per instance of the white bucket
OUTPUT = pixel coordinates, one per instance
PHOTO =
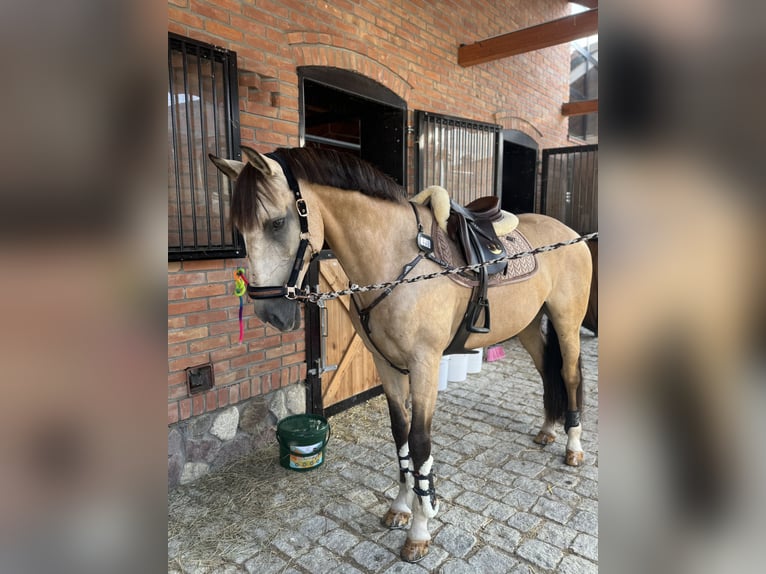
(443, 368)
(474, 361)
(457, 368)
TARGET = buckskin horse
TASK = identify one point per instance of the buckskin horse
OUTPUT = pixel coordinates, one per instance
(288, 203)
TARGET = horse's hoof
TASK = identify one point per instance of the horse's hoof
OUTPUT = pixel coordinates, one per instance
(415, 550)
(574, 457)
(396, 520)
(544, 438)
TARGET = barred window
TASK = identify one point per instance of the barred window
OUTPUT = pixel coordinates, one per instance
(570, 186)
(203, 117)
(457, 154)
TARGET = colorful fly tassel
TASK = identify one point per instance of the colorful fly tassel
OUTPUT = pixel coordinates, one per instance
(240, 288)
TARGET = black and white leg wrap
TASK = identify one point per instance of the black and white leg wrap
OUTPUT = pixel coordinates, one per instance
(404, 467)
(424, 489)
(572, 420)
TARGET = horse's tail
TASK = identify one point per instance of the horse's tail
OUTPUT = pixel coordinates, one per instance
(554, 390)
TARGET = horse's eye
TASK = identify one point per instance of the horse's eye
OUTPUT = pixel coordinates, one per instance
(277, 224)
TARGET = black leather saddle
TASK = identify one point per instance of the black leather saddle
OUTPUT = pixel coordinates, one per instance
(471, 228)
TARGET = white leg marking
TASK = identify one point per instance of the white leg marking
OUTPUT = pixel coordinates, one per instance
(549, 427)
(574, 434)
(419, 529)
(403, 500)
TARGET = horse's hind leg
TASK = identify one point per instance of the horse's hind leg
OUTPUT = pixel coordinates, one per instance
(562, 363)
(557, 358)
(532, 340)
(397, 388)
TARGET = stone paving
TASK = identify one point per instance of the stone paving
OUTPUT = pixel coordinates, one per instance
(507, 504)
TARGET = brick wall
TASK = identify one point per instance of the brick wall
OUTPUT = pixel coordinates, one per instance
(411, 48)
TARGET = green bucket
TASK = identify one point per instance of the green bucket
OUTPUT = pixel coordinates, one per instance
(302, 439)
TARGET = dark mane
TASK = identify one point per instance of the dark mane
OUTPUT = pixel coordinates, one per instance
(315, 165)
(341, 170)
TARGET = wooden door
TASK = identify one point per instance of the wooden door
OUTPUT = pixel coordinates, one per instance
(341, 369)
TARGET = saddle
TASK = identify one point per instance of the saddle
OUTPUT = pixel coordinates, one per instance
(471, 227)
(474, 228)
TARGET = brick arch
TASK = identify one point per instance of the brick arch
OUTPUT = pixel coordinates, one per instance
(349, 57)
(511, 122)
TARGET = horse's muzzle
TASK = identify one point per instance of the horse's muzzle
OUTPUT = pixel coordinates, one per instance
(283, 314)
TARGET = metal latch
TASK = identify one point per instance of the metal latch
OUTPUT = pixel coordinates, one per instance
(321, 368)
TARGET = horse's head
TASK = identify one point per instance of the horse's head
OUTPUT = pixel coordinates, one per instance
(263, 209)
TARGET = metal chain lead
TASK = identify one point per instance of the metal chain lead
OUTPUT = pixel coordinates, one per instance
(314, 297)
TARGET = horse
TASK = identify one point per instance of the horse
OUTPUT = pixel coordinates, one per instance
(287, 203)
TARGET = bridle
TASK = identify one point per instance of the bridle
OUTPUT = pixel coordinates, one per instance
(290, 289)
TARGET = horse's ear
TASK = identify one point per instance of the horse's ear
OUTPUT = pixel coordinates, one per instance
(230, 167)
(257, 160)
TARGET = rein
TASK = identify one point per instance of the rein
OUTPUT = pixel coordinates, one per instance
(315, 296)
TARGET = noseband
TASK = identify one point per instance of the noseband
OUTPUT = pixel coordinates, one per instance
(289, 290)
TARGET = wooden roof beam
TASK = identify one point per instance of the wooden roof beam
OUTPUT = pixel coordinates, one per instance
(579, 108)
(586, 3)
(544, 35)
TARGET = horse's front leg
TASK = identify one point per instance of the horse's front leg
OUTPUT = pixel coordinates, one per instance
(397, 389)
(424, 389)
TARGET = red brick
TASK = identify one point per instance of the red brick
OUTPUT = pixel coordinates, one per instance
(243, 361)
(175, 294)
(233, 394)
(223, 30)
(187, 334)
(184, 17)
(187, 307)
(177, 392)
(176, 378)
(223, 301)
(176, 322)
(185, 408)
(269, 365)
(172, 413)
(209, 11)
(208, 344)
(203, 265)
(211, 400)
(228, 353)
(183, 279)
(294, 358)
(206, 290)
(255, 386)
(190, 361)
(229, 376)
(198, 404)
(206, 318)
(244, 390)
(263, 342)
(228, 326)
(275, 352)
(177, 350)
(221, 276)
(223, 397)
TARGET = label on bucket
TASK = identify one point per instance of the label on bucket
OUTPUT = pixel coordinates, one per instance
(305, 449)
(298, 461)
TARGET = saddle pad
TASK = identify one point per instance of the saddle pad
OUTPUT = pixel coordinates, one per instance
(518, 269)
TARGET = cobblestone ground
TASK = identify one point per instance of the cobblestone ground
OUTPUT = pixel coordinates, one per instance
(507, 504)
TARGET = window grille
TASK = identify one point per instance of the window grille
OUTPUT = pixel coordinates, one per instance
(570, 186)
(203, 117)
(459, 155)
